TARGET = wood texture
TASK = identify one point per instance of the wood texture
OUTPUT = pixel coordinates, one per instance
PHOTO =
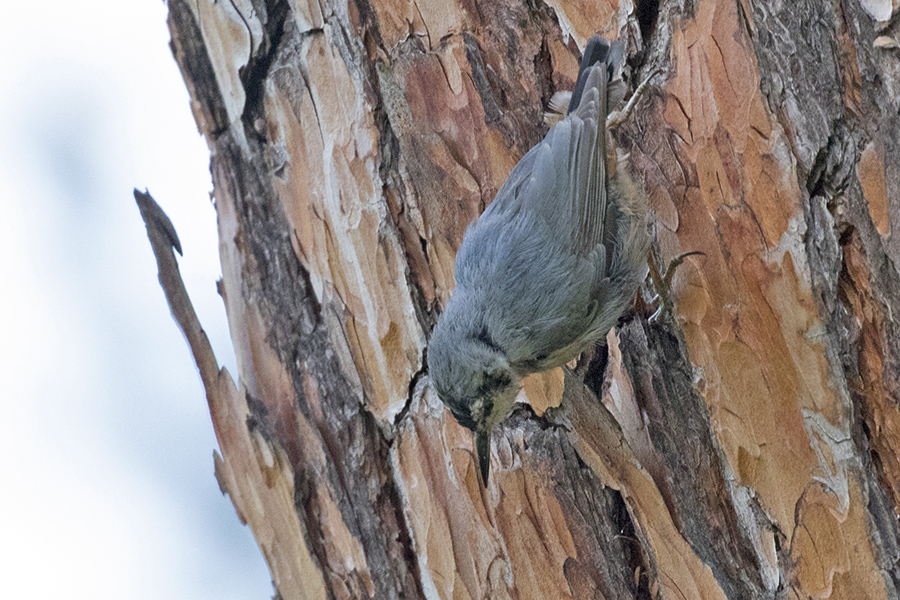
(746, 448)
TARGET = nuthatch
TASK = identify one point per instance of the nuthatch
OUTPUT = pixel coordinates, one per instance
(549, 266)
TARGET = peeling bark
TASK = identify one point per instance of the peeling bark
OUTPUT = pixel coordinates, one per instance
(747, 447)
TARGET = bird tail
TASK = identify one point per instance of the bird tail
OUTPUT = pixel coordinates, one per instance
(599, 51)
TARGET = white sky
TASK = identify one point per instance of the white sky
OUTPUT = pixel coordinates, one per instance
(106, 472)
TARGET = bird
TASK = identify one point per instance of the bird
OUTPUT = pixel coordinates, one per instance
(549, 266)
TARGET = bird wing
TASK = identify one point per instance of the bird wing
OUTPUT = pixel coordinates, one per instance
(562, 180)
(543, 247)
(536, 298)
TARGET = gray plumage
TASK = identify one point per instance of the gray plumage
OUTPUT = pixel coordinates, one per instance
(549, 266)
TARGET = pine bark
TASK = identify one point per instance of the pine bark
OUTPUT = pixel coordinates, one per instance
(746, 447)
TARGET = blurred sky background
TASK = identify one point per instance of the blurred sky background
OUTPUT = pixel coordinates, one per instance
(106, 471)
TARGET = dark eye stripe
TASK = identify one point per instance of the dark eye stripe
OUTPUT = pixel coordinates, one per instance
(494, 381)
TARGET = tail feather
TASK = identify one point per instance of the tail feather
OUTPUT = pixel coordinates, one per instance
(598, 51)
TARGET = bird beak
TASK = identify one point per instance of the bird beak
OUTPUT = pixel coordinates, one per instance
(483, 449)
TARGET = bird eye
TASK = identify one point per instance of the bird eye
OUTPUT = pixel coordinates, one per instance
(494, 380)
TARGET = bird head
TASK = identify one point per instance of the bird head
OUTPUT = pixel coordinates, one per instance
(472, 377)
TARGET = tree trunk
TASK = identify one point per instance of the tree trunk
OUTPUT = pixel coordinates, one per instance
(747, 446)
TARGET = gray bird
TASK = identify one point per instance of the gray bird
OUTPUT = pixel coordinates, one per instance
(550, 265)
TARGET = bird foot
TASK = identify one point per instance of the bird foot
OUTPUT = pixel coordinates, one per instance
(617, 117)
(661, 283)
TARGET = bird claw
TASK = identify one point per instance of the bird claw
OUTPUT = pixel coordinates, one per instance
(661, 283)
(617, 117)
